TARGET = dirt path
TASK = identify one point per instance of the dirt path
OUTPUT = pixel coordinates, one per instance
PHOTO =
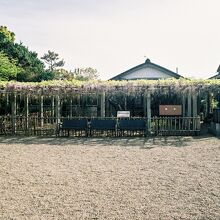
(161, 178)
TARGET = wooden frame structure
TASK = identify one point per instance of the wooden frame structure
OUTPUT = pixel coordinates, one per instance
(57, 102)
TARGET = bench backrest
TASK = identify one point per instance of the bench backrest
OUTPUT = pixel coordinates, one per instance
(74, 124)
(132, 124)
(103, 124)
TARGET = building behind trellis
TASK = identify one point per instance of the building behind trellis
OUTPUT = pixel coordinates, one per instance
(217, 76)
(147, 71)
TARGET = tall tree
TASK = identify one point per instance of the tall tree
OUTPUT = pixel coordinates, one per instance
(17, 52)
(52, 60)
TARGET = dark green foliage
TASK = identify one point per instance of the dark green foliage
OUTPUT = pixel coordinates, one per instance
(46, 75)
(26, 60)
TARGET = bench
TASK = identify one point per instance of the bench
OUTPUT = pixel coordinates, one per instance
(79, 127)
(129, 127)
(103, 126)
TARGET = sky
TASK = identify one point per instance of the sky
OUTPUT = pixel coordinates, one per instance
(116, 35)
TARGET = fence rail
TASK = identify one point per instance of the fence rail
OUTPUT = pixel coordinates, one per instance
(35, 125)
(175, 125)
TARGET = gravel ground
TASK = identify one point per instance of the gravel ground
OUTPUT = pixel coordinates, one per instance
(130, 178)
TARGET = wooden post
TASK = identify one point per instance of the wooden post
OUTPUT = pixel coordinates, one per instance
(189, 106)
(17, 104)
(71, 108)
(210, 103)
(107, 112)
(149, 112)
(79, 109)
(195, 108)
(13, 113)
(206, 105)
(103, 105)
(41, 111)
(57, 109)
(7, 99)
(53, 108)
(27, 111)
(125, 103)
(183, 105)
(110, 108)
(145, 104)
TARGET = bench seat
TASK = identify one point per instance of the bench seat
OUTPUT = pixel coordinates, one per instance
(107, 126)
(78, 126)
(131, 127)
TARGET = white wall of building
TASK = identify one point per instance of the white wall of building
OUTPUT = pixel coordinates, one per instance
(146, 72)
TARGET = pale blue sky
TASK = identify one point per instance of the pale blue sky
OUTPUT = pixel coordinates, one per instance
(115, 35)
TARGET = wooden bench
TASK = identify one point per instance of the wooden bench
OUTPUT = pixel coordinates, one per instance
(130, 127)
(103, 126)
(79, 127)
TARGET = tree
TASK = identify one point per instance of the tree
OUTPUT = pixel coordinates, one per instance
(62, 74)
(46, 75)
(28, 60)
(52, 60)
(6, 35)
(21, 56)
(86, 74)
(8, 68)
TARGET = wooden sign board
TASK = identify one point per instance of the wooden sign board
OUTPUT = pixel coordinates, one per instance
(170, 110)
(123, 114)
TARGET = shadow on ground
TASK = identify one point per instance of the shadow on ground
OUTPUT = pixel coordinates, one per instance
(141, 142)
